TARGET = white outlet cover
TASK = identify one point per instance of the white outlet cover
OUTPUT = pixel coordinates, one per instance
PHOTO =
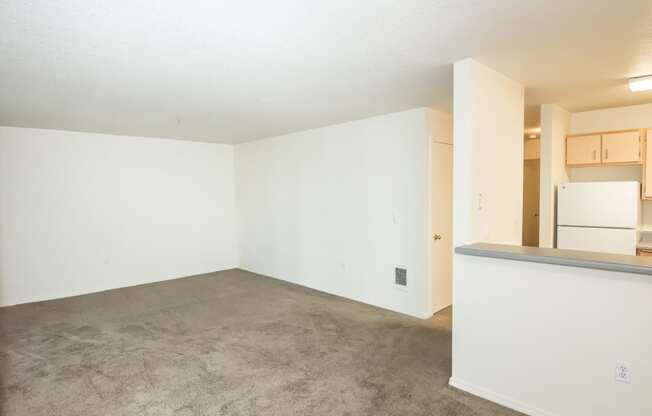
(623, 372)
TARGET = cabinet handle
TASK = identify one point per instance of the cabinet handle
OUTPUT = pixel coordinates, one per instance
(595, 153)
(606, 154)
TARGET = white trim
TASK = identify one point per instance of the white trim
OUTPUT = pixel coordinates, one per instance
(358, 299)
(435, 310)
(498, 398)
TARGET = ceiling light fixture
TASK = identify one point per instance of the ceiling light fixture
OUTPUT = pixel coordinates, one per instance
(640, 83)
(533, 136)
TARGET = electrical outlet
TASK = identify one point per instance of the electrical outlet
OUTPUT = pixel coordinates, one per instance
(623, 372)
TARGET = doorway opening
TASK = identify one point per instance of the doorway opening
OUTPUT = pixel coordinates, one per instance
(441, 195)
(531, 175)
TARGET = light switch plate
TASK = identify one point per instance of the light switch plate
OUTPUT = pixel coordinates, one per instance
(623, 372)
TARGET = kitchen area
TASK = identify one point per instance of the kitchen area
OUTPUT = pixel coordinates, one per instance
(553, 317)
(603, 198)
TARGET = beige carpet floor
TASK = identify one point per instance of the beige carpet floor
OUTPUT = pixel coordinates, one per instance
(225, 343)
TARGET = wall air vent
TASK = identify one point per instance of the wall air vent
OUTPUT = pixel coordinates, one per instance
(400, 276)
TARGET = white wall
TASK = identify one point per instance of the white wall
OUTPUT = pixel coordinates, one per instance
(83, 212)
(337, 208)
(440, 126)
(488, 124)
(545, 339)
(618, 118)
(488, 163)
(555, 124)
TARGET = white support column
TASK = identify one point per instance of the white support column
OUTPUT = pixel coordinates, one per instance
(488, 164)
(488, 118)
(555, 122)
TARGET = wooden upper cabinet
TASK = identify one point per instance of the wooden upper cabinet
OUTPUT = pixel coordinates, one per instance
(531, 149)
(621, 147)
(647, 166)
(583, 150)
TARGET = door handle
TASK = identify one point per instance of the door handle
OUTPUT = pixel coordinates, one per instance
(437, 237)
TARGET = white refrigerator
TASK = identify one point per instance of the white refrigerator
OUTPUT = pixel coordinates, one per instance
(599, 216)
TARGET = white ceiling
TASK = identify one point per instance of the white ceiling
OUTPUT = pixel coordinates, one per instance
(231, 71)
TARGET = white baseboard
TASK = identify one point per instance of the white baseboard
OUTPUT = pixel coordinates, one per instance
(440, 308)
(146, 280)
(498, 398)
(425, 315)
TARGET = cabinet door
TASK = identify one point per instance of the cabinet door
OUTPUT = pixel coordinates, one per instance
(531, 149)
(583, 150)
(647, 167)
(622, 147)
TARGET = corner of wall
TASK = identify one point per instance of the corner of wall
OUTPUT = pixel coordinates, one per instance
(555, 124)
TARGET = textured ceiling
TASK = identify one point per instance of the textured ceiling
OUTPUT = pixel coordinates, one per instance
(231, 71)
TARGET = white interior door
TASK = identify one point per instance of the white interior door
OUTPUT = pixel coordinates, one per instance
(442, 225)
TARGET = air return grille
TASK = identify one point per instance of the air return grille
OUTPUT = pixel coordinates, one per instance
(400, 276)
